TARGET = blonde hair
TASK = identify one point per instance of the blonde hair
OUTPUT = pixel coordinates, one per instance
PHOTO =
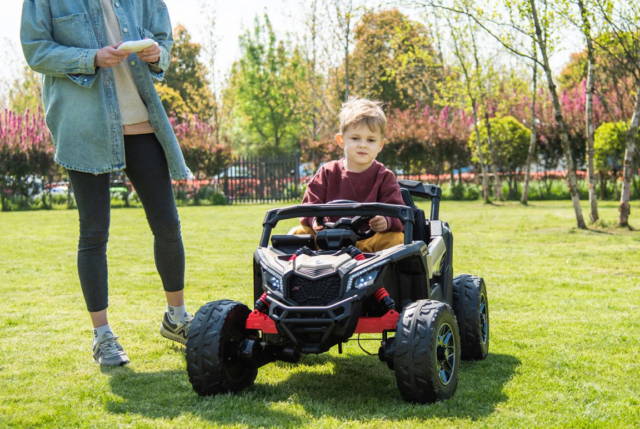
(356, 111)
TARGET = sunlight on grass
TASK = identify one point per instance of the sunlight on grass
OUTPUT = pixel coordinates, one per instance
(565, 314)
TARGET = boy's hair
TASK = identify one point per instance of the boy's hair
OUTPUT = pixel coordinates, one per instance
(357, 111)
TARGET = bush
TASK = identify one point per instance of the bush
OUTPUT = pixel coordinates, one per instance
(457, 192)
(218, 199)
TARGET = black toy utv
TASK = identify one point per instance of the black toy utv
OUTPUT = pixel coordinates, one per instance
(312, 295)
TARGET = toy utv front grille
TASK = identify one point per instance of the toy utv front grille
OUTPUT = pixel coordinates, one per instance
(316, 292)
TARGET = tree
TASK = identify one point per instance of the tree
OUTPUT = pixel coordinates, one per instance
(342, 14)
(511, 140)
(393, 60)
(186, 75)
(26, 92)
(609, 145)
(266, 89)
(521, 19)
(622, 42)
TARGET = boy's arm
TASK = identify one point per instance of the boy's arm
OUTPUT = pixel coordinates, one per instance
(389, 193)
(316, 193)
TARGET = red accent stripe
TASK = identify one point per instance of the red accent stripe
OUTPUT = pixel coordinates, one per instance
(359, 257)
(293, 257)
(381, 294)
(366, 325)
(263, 298)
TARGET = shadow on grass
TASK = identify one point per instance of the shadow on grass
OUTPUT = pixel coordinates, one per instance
(354, 387)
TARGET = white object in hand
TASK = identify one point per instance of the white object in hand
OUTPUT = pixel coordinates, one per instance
(136, 45)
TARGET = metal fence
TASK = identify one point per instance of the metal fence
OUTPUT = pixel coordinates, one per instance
(262, 179)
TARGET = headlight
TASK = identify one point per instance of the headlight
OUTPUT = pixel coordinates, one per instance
(366, 277)
(271, 280)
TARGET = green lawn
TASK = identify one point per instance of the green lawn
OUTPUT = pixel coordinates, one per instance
(565, 320)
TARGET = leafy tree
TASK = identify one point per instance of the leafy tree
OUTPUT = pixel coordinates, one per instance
(610, 144)
(267, 88)
(511, 140)
(26, 92)
(186, 76)
(394, 60)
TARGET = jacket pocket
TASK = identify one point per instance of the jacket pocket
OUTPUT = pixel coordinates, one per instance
(74, 31)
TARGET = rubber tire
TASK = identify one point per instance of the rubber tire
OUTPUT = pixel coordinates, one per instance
(212, 326)
(467, 290)
(416, 347)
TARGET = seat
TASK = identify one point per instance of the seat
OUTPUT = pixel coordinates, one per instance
(421, 229)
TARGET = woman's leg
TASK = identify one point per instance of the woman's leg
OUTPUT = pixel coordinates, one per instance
(148, 171)
(93, 200)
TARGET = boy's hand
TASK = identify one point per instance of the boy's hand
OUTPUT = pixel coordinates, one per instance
(378, 224)
(317, 227)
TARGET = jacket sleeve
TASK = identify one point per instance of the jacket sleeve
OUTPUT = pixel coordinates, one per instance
(316, 193)
(160, 31)
(389, 193)
(48, 57)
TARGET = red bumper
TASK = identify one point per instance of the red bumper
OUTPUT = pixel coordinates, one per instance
(366, 325)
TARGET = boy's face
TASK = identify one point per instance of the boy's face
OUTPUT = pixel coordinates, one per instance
(361, 145)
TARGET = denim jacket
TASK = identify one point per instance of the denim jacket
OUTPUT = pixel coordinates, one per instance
(60, 39)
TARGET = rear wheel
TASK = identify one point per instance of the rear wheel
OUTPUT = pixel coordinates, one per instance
(471, 306)
(427, 354)
(213, 345)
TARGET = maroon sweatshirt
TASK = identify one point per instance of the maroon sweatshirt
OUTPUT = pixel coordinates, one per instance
(377, 184)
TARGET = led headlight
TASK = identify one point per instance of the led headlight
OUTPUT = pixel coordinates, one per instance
(271, 280)
(366, 277)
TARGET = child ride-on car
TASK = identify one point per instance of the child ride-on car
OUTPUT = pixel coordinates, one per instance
(308, 301)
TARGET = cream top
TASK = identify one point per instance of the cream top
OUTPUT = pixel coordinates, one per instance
(132, 108)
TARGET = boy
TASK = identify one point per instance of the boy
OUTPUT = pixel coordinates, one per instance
(358, 176)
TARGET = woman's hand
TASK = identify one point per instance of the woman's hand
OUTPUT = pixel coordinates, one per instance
(150, 54)
(379, 224)
(110, 56)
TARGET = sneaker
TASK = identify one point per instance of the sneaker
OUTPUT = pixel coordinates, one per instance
(107, 351)
(175, 331)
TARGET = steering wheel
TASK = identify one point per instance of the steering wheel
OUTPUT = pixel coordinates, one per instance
(354, 223)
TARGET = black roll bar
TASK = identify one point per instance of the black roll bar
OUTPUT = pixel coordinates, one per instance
(404, 213)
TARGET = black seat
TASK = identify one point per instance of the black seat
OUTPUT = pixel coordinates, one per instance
(290, 244)
(421, 230)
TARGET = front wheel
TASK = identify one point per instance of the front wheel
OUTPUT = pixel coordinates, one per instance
(213, 344)
(471, 305)
(427, 355)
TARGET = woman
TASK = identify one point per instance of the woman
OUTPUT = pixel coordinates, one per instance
(105, 115)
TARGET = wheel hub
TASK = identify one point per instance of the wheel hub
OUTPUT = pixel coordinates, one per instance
(445, 353)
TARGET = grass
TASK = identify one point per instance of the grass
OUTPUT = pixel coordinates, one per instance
(565, 346)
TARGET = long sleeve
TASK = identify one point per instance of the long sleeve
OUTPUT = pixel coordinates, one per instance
(46, 56)
(316, 193)
(161, 32)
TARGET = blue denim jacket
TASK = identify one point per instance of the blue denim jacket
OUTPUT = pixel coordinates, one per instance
(60, 39)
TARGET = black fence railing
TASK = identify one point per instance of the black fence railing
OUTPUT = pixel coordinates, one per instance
(262, 179)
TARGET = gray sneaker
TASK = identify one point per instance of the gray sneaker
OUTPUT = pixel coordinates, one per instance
(107, 351)
(175, 331)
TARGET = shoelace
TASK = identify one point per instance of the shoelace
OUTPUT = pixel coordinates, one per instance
(109, 347)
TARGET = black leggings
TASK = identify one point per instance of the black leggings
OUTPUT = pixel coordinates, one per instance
(148, 172)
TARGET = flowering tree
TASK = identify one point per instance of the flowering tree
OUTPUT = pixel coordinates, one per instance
(26, 150)
(203, 155)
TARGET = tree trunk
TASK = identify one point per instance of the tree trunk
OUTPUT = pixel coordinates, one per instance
(632, 133)
(593, 198)
(497, 191)
(564, 137)
(534, 138)
(603, 185)
(485, 178)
